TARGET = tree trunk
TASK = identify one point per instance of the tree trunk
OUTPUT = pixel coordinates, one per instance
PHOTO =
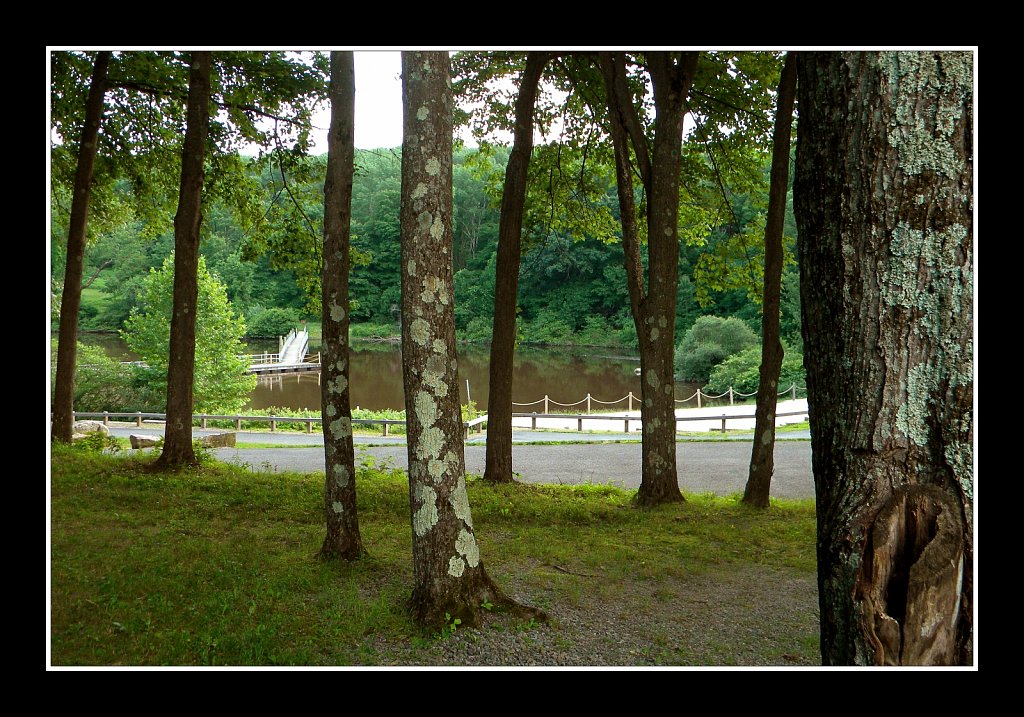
(762, 455)
(884, 203)
(653, 306)
(449, 577)
(343, 539)
(71, 299)
(498, 465)
(177, 449)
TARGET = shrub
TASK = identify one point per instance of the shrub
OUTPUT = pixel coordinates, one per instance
(105, 384)
(548, 328)
(271, 323)
(478, 329)
(708, 342)
(742, 371)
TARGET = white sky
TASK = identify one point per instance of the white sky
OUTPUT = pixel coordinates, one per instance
(378, 121)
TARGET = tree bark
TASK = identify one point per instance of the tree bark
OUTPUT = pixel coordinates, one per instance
(498, 463)
(71, 298)
(762, 455)
(343, 539)
(177, 449)
(884, 203)
(448, 574)
(653, 305)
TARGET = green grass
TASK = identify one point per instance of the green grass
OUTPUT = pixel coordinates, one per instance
(216, 565)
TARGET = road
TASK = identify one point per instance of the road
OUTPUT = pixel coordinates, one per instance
(715, 466)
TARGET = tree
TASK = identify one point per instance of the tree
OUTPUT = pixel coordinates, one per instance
(498, 467)
(762, 456)
(652, 299)
(220, 382)
(450, 581)
(177, 448)
(63, 402)
(343, 539)
(883, 198)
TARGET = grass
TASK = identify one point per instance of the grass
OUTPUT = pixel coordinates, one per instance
(216, 565)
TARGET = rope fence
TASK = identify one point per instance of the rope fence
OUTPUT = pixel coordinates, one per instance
(701, 397)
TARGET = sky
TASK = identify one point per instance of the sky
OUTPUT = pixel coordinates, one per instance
(378, 121)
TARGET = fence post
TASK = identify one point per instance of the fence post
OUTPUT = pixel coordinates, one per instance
(630, 400)
(545, 404)
(202, 422)
(627, 425)
(238, 423)
(309, 425)
(385, 424)
(698, 398)
(588, 404)
(533, 421)
(579, 423)
(106, 419)
(273, 423)
(794, 391)
(138, 419)
(730, 396)
(723, 423)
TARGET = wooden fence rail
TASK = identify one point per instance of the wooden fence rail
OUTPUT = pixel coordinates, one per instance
(475, 425)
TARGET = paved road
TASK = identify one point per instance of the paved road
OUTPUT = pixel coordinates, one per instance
(717, 466)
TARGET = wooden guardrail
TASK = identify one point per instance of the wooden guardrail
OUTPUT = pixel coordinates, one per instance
(203, 419)
(475, 425)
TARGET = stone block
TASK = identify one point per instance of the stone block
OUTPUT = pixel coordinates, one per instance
(219, 440)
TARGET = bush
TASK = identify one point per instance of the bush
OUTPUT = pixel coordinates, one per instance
(271, 323)
(105, 384)
(478, 329)
(742, 371)
(548, 328)
(707, 343)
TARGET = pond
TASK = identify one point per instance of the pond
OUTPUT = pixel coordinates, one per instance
(564, 375)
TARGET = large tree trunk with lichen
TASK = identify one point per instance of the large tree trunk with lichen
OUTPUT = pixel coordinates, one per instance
(498, 464)
(448, 574)
(762, 454)
(71, 298)
(177, 448)
(343, 539)
(883, 202)
(653, 302)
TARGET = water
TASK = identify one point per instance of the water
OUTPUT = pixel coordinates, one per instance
(375, 380)
(565, 375)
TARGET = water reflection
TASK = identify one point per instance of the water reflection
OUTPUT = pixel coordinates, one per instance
(565, 375)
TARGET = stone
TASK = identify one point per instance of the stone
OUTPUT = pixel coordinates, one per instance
(139, 441)
(84, 427)
(219, 440)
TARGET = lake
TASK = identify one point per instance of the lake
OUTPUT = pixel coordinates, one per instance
(565, 375)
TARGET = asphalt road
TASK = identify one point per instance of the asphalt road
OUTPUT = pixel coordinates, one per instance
(718, 466)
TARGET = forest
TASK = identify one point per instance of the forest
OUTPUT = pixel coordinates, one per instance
(656, 217)
(572, 281)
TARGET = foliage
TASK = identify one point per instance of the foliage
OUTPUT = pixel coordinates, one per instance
(708, 342)
(221, 382)
(271, 323)
(741, 371)
(105, 384)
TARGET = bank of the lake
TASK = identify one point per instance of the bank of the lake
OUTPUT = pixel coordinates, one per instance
(564, 374)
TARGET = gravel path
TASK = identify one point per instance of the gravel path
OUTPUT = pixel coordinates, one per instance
(718, 467)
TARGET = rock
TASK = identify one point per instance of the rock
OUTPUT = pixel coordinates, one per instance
(219, 440)
(138, 441)
(84, 427)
